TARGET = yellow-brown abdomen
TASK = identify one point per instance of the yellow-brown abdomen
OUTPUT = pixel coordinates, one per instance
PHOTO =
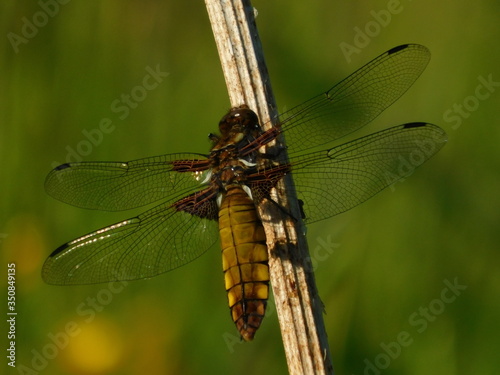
(244, 260)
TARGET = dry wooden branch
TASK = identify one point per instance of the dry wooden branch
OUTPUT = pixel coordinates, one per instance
(297, 302)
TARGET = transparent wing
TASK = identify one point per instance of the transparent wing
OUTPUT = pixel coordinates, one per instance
(152, 243)
(355, 101)
(115, 186)
(333, 181)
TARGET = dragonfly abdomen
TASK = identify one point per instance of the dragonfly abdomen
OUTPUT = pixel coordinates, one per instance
(244, 260)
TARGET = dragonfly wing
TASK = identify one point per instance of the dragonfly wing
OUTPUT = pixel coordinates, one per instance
(333, 181)
(355, 101)
(152, 243)
(115, 186)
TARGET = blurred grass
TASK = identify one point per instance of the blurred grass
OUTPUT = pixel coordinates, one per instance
(392, 254)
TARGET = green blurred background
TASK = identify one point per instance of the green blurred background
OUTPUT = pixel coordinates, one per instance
(388, 259)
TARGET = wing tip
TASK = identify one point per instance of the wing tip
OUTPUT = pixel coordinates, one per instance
(406, 46)
(62, 167)
(414, 125)
(59, 250)
(439, 133)
(397, 49)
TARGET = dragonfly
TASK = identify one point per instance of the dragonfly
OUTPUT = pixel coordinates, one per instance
(201, 198)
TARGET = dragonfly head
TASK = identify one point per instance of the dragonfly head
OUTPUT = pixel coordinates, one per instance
(240, 120)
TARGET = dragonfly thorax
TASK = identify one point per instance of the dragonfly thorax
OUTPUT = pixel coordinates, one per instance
(231, 173)
(230, 165)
